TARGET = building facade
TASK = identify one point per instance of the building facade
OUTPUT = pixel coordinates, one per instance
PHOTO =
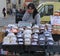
(2, 5)
(15, 3)
(48, 0)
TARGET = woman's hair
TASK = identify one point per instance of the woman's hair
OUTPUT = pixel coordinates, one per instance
(33, 7)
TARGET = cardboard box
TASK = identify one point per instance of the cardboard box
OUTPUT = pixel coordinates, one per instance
(2, 34)
(58, 31)
(54, 31)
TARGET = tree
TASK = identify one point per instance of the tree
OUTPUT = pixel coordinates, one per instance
(36, 2)
(59, 0)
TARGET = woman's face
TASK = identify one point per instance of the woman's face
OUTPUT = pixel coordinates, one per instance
(30, 10)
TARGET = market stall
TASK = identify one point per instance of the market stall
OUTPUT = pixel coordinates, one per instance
(25, 38)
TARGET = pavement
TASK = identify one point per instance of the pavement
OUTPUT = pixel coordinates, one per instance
(8, 20)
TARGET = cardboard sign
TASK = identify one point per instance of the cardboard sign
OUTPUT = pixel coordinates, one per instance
(55, 20)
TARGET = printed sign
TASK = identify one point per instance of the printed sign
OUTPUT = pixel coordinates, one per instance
(55, 20)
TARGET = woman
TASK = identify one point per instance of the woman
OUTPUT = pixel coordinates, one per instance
(31, 15)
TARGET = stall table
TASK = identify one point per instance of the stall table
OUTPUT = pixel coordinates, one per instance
(29, 49)
(52, 49)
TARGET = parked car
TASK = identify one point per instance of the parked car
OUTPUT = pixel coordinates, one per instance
(46, 9)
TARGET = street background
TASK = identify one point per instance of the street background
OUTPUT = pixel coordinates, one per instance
(20, 4)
